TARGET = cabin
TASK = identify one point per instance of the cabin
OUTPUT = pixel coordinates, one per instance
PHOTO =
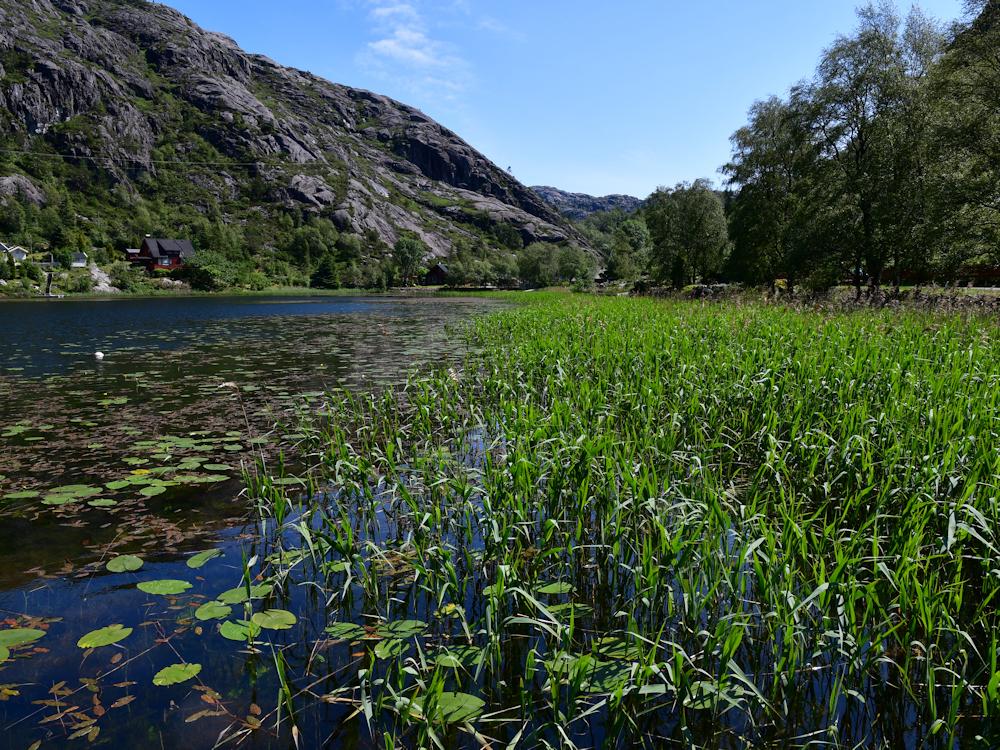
(79, 260)
(162, 254)
(437, 275)
(18, 253)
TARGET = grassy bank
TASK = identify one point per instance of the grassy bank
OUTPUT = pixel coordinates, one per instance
(627, 522)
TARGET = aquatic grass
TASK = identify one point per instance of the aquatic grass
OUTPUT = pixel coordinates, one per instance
(784, 522)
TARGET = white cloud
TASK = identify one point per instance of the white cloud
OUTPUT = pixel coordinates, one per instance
(406, 52)
(500, 29)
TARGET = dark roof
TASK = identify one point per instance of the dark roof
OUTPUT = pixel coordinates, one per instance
(442, 266)
(79, 256)
(159, 248)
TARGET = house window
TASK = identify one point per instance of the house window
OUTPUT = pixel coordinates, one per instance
(164, 261)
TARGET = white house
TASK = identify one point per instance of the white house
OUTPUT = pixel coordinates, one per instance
(16, 251)
(78, 260)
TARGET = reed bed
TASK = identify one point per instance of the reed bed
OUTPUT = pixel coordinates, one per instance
(630, 523)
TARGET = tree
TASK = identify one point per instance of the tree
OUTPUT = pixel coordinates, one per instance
(210, 271)
(773, 164)
(860, 87)
(628, 254)
(964, 92)
(327, 274)
(537, 265)
(690, 239)
(408, 252)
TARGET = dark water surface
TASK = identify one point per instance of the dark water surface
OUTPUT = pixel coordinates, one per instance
(142, 453)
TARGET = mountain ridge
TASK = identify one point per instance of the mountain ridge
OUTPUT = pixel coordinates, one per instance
(578, 206)
(133, 92)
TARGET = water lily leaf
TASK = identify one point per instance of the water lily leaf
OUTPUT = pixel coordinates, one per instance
(77, 490)
(19, 636)
(346, 631)
(164, 587)
(238, 595)
(274, 619)
(4, 654)
(614, 647)
(153, 490)
(241, 630)
(217, 467)
(391, 648)
(22, 495)
(104, 636)
(566, 609)
(559, 587)
(102, 502)
(401, 629)
(59, 499)
(213, 611)
(287, 481)
(458, 656)
(124, 564)
(453, 708)
(176, 673)
(203, 557)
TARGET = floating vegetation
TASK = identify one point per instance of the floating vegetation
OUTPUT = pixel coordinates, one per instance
(104, 636)
(201, 558)
(165, 587)
(124, 564)
(176, 674)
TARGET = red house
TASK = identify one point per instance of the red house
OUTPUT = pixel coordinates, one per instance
(163, 254)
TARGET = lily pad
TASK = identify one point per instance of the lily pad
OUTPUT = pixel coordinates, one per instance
(401, 629)
(176, 674)
(274, 619)
(19, 636)
(152, 490)
(203, 557)
(391, 648)
(124, 564)
(213, 611)
(164, 587)
(22, 495)
(453, 708)
(104, 636)
(458, 656)
(239, 594)
(240, 630)
(346, 631)
(559, 587)
(102, 502)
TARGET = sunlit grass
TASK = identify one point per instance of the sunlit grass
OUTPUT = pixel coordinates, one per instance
(626, 522)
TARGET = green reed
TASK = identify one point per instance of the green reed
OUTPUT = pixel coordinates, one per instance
(637, 522)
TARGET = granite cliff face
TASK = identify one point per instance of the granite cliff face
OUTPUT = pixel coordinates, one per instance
(580, 205)
(131, 88)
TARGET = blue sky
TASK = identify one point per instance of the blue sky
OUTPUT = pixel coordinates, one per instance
(592, 96)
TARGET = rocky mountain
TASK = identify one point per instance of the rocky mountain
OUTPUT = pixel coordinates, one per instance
(160, 116)
(580, 205)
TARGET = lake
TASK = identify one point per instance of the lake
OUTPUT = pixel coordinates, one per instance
(138, 459)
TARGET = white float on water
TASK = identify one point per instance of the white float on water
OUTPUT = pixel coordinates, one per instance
(98, 356)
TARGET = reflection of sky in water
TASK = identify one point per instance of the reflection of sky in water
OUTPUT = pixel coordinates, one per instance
(50, 337)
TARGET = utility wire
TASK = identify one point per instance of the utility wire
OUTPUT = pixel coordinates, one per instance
(172, 162)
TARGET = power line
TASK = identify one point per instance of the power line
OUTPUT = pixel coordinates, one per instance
(171, 162)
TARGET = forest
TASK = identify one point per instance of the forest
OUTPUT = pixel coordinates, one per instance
(881, 168)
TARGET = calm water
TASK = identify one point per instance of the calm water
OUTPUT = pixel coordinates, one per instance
(142, 454)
